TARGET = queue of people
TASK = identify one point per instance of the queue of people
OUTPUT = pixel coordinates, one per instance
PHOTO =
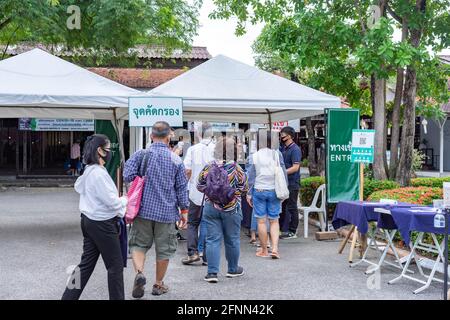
(202, 193)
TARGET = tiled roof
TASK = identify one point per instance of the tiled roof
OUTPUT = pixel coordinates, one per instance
(344, 104)
(138, 78)
(157, 52)
(446, 107)
(147, 52)
(445, 58)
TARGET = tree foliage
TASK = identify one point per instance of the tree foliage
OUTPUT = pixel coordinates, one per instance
(337, 46)
(109, 26)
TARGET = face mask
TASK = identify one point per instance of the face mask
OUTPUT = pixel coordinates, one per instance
(107, 157)
(283, 141)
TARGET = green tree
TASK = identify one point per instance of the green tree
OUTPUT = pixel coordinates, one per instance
(339, 46)
(107, 26)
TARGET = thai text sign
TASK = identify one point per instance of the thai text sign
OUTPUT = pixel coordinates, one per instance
(32, 124)
(342, 176)
(145, 111)
(362, 146)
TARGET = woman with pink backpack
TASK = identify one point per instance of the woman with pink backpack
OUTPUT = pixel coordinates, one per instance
(223, 181)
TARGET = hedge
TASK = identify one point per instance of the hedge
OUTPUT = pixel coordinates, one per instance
(429, 182)
(423, 192)
(371, 186)
(308, 187)
(415, 195)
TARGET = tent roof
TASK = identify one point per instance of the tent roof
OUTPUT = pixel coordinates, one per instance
(223, 89)
(38, 84)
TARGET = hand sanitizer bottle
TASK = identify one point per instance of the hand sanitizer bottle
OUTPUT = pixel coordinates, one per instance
(439, 219)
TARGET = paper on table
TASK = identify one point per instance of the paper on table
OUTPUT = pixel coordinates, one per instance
(388, 201)
(446, 194)
(423, 210)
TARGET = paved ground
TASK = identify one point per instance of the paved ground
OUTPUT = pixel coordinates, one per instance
(40, 236)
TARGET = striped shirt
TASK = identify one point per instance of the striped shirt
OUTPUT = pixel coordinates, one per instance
(165, 189)
(236, 177)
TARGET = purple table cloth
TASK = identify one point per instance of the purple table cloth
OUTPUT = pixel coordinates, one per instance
(360, 213)
(415, 219)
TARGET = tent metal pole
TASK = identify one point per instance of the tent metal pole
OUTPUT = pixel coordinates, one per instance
(24, 153)
(119, 132)
(269, 118)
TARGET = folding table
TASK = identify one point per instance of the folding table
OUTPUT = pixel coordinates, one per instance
(421, 220)
(359, 214)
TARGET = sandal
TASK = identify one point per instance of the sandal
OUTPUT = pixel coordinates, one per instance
(275, 255)
(261, 255)
(253, 242)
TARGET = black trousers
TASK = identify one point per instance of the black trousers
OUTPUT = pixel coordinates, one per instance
(289, 214)
(194, 219)
(100, 238)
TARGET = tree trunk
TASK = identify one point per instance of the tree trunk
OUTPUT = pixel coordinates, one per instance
(395, 133)
(379, 170)
(379, 118)
(408, 131)
(386, 166)
(312, 159)
(372, 93)
(409, 123)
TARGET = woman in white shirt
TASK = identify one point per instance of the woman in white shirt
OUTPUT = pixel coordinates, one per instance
(101, 209)
(262, 196)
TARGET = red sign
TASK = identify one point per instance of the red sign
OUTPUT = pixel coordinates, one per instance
(278, 125)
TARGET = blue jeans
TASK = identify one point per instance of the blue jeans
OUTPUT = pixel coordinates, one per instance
(254, 226)
(202, 236)
(222, 225)
(266, 204)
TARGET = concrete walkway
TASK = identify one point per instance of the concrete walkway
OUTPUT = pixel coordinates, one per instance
(40, 237)
(432, 174)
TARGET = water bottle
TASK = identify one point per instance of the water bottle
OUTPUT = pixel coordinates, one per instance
(439, 219)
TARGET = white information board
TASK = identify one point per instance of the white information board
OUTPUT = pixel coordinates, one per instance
(145, 111)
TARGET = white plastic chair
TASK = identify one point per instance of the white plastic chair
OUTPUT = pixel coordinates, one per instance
(313, 208)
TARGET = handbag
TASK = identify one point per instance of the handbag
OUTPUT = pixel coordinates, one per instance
(136, 190)
(281, 188)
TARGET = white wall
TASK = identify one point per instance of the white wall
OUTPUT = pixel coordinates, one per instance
(432, 138)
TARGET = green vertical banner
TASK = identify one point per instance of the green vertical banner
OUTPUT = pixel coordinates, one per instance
(342, 176)
(105, 127)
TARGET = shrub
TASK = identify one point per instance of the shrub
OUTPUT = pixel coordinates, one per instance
(429, 182)
(417, 161)
(308, 187)
(370, 186)
(305, 163)
(415, 195)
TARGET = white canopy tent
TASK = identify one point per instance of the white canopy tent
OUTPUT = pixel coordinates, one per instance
(225, 90)
(36, 84)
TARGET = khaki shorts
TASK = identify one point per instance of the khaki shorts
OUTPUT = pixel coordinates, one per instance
(145, 232)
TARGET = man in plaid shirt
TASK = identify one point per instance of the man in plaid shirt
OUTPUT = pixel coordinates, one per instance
(165, 194)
